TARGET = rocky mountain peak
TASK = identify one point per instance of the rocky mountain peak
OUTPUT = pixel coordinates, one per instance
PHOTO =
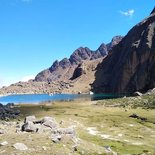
(115, 40)
(82, 53)
(103, 49)
(54, 66)
(153, 11)
(65, 68)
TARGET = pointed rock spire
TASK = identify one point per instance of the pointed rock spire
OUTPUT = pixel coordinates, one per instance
(153, 11)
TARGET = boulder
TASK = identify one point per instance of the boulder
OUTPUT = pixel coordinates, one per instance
(30, 119)
(51, 124)
(29, 127)
(46, 118)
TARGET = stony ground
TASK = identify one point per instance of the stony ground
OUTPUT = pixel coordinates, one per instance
(101, 127)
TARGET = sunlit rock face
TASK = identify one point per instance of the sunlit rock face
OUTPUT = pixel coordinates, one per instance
(130, 66)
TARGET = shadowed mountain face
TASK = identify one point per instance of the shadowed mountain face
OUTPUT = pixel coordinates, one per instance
(130, 66)
(64, 69)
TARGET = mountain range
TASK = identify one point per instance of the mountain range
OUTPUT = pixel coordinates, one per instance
(70, 75)
(65, 68)
(125, 65)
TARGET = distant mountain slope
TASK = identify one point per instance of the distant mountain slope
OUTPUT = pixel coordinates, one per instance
(63, 70)
(73, 75)
(131, 65)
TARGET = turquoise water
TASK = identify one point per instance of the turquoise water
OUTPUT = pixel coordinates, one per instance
(38, 98)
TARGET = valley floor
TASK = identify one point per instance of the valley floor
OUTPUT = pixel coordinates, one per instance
(102, 127)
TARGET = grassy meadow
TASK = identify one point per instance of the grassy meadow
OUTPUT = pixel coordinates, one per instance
(99, 125)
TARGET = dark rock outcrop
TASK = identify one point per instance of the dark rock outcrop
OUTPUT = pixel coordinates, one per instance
(79, 71)
(130, 66)
(8, 111)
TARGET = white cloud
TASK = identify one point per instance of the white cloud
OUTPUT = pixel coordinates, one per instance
(27, 78)
(128, 13)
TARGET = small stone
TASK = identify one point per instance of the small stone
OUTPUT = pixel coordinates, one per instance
(4, 143)
(74, 147)
(56, 138)
(107, 148)
(1, 131)
(44, 148)
(20, 146)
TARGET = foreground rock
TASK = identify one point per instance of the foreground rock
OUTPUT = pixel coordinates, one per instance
(138, 117)
(8, 111)
(4, 143)
(31, 124)
(20, 146)
(29, 127)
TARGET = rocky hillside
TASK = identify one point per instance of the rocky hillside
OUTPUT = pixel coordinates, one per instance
(130, 66)
(73, 75)
(63, 70)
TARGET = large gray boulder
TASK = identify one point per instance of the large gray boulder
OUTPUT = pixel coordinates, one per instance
(47, 118)
(30, 119)
(51, 124)
(29, 127)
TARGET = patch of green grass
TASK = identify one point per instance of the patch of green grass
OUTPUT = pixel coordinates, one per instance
(109, 117)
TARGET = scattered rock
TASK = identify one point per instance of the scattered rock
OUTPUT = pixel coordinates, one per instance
(134, 116)
(138, 117)
(4, 143)
(44, 148)
(20, 146)
(56, 138)
(137, 93)
(8, 111)
(2, 131)
(70, 131)
(74, 147)
(107, 149)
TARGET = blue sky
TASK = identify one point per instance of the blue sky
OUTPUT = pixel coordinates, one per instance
(34, 33)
